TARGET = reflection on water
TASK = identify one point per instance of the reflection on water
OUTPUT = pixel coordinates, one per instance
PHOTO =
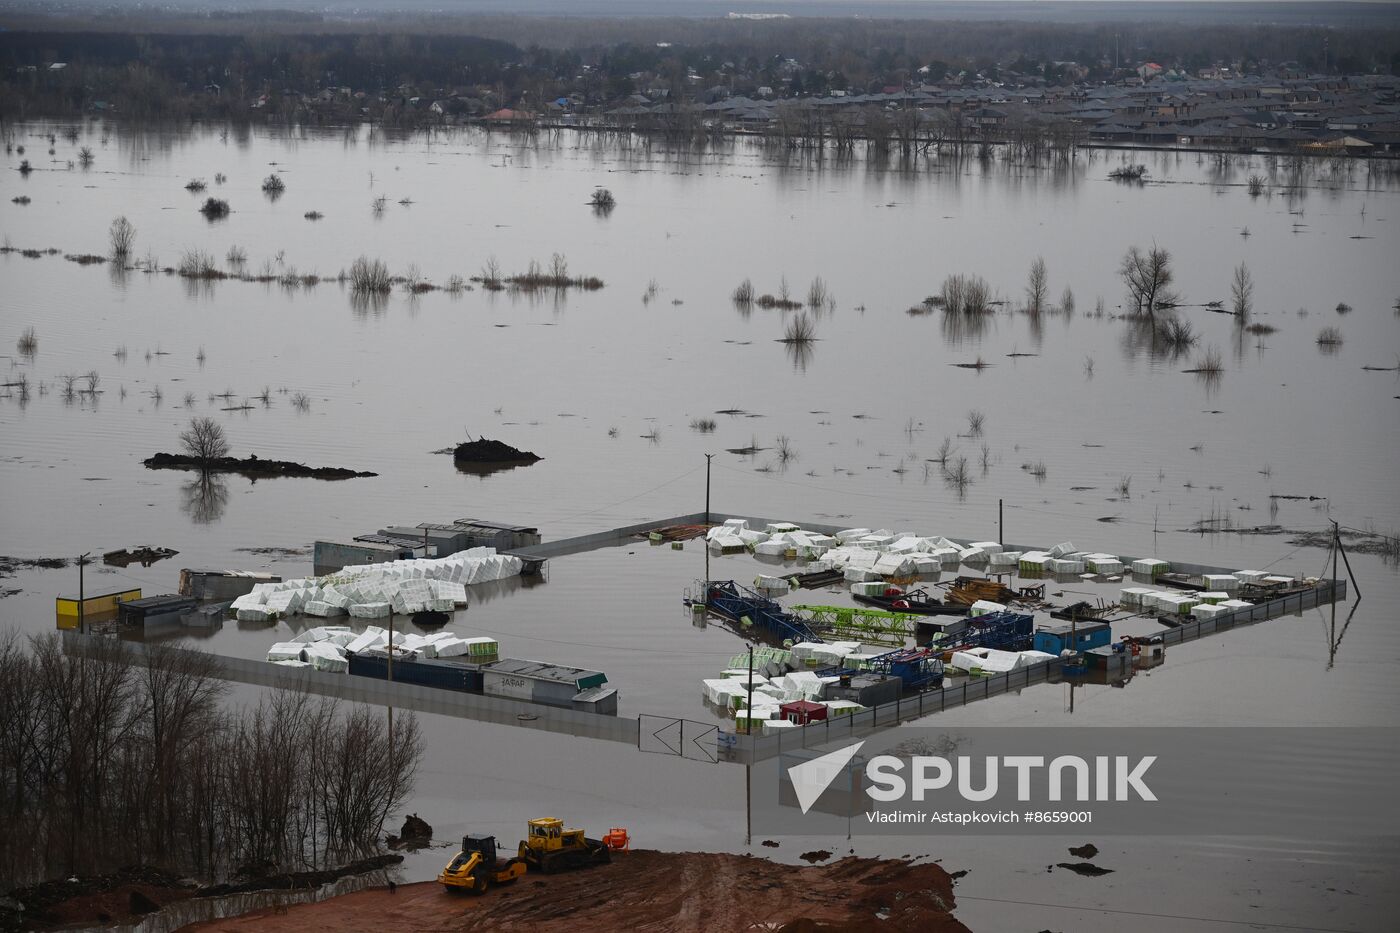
(799, 354)
(959, 329)
(205, 498)
(484, 470)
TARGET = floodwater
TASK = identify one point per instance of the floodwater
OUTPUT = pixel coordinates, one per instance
(605, 384)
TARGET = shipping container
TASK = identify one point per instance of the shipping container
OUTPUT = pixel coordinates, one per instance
(447, 674)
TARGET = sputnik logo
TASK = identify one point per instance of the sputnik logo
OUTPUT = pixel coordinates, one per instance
(811, 778)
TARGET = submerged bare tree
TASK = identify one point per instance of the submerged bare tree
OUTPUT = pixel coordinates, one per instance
(1037, 286)
(205, 441)
(122, 235)
(1242, 291)
(1148, 277)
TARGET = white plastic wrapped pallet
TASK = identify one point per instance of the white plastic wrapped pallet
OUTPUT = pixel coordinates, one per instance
(893, 565)
(325, 657)
(984, 606)
(372, 637)
(285, 651)
(1226, 582)
(991, 547)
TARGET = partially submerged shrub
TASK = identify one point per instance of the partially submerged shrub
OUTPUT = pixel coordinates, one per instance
(556, 276)
(965, 294)
(1176, 333)
(215, 208)
(197, 264)
(1329, 337)
(1210, 363)
(975, 419)
(28, 343)
(801, 329)
(703, 425)
(195, 184)
(122, 235)
(781, 302)
(370, 276)
(274, 185)
(743, 294)
(603, 201)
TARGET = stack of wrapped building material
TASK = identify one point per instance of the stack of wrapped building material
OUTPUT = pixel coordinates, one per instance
(369, 591)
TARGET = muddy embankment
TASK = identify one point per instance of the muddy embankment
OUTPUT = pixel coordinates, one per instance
(652, 891)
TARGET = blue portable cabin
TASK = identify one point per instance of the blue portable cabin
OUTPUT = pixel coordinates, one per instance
(1085, 636)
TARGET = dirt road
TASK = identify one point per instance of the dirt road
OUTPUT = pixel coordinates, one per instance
(650, 891)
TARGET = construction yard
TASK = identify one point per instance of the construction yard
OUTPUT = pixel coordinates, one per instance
(647, 890)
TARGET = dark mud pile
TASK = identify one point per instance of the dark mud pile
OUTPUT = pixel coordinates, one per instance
(251, 467)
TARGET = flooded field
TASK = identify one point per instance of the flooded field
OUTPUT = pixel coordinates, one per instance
(1090, 429)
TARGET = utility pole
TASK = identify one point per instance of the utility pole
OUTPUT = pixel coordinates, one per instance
(82, 616)
(708, 458)
(390, 675)
(1001, 525)
(748, 766)
(1337, 541)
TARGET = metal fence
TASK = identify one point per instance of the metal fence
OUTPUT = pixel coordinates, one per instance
(396, 694)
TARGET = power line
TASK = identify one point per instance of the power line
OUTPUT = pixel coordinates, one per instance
(629, 498)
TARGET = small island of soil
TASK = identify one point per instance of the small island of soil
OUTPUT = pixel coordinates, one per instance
(486, 451)
(251, 467)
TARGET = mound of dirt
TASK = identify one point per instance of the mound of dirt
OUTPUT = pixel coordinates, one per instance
(415, 834)
(118, 897)
(643, 890)
(484, 450)
(251, 467)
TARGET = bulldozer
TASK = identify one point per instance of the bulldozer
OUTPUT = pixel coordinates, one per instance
(549, 847)
(476, 867)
